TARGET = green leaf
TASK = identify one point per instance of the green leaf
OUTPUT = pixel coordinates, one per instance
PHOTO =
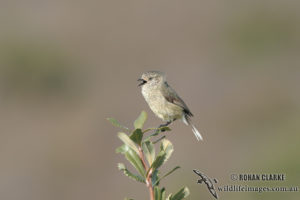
(167, 174)
(163, 193)
(183, 193)
(138, 178)
(139, 122)
(154, 178)
(117, 124)
(167, 147)
(127, 141)
(164, 128)
(169, 197)
(160, 159)
(136, 162)
(157, 193)
(137, 136)
(156, 132)
(122, 149)
(149, 151)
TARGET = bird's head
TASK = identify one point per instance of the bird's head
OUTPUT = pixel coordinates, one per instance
(152, 78)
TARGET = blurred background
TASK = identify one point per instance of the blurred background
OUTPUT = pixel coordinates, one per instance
(67, 65)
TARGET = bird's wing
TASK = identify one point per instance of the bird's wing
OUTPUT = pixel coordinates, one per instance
(172, 97)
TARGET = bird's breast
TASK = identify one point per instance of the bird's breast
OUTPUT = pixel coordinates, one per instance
(160, 106)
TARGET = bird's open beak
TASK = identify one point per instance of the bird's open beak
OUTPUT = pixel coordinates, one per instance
(142, 82)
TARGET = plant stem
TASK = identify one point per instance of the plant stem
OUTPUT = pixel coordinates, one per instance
(156, 141)
(148, 178)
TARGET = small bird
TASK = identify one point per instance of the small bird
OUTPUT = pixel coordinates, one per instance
(164, 101)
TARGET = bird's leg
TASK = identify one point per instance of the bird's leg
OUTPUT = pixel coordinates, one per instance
(166, 124)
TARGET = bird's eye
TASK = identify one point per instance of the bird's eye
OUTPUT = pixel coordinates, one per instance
(150, 78)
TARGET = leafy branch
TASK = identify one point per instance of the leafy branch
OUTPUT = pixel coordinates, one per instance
(141, 155)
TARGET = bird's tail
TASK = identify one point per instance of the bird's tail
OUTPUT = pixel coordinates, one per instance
(187, 121)
(196, 133)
